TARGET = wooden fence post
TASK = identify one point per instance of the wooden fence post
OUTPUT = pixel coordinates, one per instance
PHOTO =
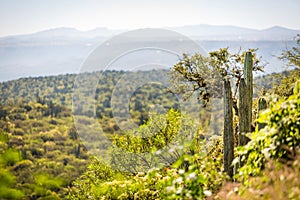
(228, 136)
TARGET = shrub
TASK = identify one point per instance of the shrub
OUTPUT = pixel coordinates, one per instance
(10, 157)
(279, 140)
(85, 186)
(197, 176)
(160, 141)
(18, 131)
(277, 182)
(191, 177)
(22, 165)
(49, 182)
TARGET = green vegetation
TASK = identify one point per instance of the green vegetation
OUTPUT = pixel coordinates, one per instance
(37, 152)
(7, 179)
(145, 148)
(280, 138)
(292, 56)
(169, 155)
(188, 175)
(40, 151)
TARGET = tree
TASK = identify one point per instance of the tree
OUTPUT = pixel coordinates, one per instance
(205, 75)
(292, 55)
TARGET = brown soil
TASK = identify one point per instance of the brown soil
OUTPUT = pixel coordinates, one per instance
(228, 191)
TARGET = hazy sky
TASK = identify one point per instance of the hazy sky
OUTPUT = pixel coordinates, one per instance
(26, 16)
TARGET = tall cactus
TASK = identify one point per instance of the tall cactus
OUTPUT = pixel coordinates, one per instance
(248, 68)
(245, 99)
(228, 136)
(243, 110)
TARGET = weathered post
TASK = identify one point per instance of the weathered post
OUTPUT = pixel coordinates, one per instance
(248, 68)
(228, 136)
(245, 100)
(243, 113)
(262, 105)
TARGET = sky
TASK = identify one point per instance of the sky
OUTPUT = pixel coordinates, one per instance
(28, 16)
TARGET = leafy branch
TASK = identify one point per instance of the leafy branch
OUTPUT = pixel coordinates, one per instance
(205, 75)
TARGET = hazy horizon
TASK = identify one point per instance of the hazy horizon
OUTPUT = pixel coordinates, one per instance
(128, 29)
(25, 17)
(64, 51)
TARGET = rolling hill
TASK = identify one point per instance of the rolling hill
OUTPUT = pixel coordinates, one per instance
(63, 50)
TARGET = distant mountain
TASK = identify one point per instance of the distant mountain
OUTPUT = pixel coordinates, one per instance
(63, 50)
(279, 30)
(211, 32)
(207, 32)
(72, 32)
(62, 34)
(280, 33)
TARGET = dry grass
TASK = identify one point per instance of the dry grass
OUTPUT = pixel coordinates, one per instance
(279, 182)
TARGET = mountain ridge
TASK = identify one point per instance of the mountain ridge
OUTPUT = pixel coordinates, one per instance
(64, 49)
(195, 30)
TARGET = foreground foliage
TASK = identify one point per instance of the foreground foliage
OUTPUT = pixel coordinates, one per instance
(191, 175)
(279, 140)
(278, 181)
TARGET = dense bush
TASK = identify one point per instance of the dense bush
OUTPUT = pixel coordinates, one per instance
(285, 87)
(279, 140)
(192, 176)
(160, 141)
(8, 157)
